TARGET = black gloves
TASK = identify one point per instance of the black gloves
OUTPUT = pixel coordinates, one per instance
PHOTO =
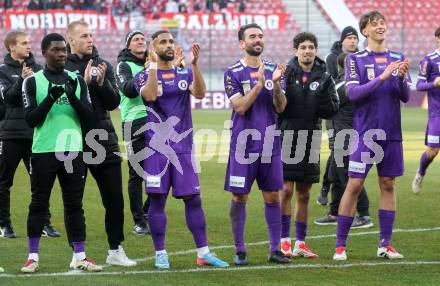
(55, 92)
(70, 86)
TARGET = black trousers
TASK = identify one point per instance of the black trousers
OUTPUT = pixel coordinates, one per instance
(326, 182)
(339, 179)
(12, 151)
(139, 211)
(108, 177)
(44, 169)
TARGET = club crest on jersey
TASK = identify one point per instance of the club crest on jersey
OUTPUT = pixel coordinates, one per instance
(183, 85)
(370, 73)
(395, 73)
(268, 84)
(314, 85)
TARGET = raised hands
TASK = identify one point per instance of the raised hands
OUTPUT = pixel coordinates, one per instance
(389, 70)
(26, 71)
(55, 92)
(278, 73)
(195, 51)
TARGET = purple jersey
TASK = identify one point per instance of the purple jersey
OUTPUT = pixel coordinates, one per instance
(429, 70)
(376, 103)
(240, 79)
(173, 101)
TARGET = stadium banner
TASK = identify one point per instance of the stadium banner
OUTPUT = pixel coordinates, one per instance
(212, 100)
(59, 19)
(219, 100)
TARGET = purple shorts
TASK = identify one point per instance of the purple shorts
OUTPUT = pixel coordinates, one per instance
(432, 137)
(267, 170)
(163, 173)
(391, 165)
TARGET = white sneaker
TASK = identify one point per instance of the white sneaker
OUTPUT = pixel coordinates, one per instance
(30, 266)
(89, 265)
(119, 258)
(340, 254)
(417, 183)
(388, 252)
(301, 249)
(72, 264)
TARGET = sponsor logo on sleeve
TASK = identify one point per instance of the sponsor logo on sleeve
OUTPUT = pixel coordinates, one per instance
(396, 56)
(235, 181)
(353, 73)
(370, 73)
(424, 68)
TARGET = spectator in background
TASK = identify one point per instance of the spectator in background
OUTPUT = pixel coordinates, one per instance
(172, 7)
(197, 6)
(242, 6)
(183, 6)
(33, 5)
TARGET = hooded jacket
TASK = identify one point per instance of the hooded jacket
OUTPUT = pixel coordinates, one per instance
(104, 99)
(14, 126)
(331, 59)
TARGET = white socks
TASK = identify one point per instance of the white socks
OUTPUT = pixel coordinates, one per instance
(34, 257)
(202, 251)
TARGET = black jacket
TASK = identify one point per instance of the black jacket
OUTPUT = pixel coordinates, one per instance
(125, 81)
(331, 59)
(14, 126)
(104, 99)
(306, 105)
(344, 118)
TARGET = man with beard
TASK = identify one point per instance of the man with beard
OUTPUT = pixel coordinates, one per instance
(311, 95)
(131, 60)
(15, 134)
(377, 80)
(256, 91)
(56, 102)
(101, 155)
(167, 90)
(348, 44)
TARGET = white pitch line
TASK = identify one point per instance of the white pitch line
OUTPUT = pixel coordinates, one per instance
(211, 269)
(184, 252)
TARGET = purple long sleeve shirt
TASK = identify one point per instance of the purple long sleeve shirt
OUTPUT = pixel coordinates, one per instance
(376, 103)
(429, 70)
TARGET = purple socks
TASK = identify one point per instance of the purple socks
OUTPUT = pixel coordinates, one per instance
(386, 222)
(424, 164)
(343, 228)
(33, 243)
(273, 219)
(237, 215)
(78, 247)
(195, 220)
(157, 220)
(285, 225)
(300, 231)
